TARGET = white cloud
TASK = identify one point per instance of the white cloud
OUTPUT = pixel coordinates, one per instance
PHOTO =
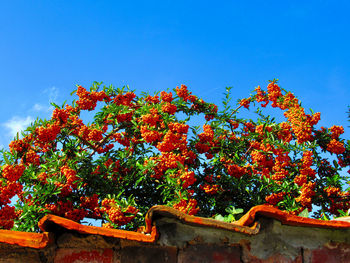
(17, 124)
(53, 93)
(40, 107)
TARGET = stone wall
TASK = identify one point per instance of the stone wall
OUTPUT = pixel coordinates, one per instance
(178, 240)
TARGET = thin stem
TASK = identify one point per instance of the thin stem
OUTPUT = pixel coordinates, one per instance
(104, 140)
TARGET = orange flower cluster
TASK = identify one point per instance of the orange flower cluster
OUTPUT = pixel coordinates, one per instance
(338, 200)
(248, 128)
(152, 125)
(262, 161)
(202, 147)
(245, 103)
(42, 177)
(336, 131)
(236, 170)
(282, 159)
(12, 172)
(259, 129)
(289, 101)
(207, 135)
(187, 206)
(169, 108)
(7, 216)
(301, 123)
(88, 100)
(280, 174)
(61, 115)
(172, 141)
(285, 132)
(300, 179)
(71, 176)
(166, 97)
(90, 133)
(18, 146)
(121, 138)
(261, 96)
(307, 162)
(336, 147)
(152, 118)
(31, 157)
(116, 214)
(275, 198)
(76, 214)
(172, 145)
(210, 189)
(186, 178)
(48, 133)
(152, 99)
(305, 170)
(150, 136)
(206, 140)
(332, 191)
(274, 93)
(167, 160)
(213, 109)
(94, 135)
(89, 202)
(125, 99)
(65, 189)
(183, 92)
(307, 192)
(233, 169)
(178, 127)
(8, 191)
(67, 210)
(124, 117)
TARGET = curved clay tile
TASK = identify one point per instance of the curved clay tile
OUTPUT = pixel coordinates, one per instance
(25, 239)
(52, 222)
(165, 211)
(248, 224)
(288, 219)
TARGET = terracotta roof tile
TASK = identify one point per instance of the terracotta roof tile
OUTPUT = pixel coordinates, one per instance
(288, 219)
(50, 223)
(165, 211)
(248, 224)
(25, 239)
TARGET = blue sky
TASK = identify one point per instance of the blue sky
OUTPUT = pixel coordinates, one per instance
(47, 47)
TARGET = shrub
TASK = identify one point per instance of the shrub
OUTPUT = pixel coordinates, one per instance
(145, 150)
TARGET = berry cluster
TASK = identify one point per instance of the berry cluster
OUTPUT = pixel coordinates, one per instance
(144, 150)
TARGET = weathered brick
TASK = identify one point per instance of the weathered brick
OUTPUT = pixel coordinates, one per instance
(332, 253)
(278, 258)
(148, 254)
(76, 240)
(19, 256)
(72, 255)
(208, 254)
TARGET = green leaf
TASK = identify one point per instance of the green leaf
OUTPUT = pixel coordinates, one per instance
(55, 105)
(219, 217)
(6, 159)
(180, 165)
(335, 163)
(304, 213)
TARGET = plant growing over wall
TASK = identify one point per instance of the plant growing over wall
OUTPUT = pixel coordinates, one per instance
(144, 150)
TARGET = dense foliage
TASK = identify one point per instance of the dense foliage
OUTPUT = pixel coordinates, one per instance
(145, 150)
